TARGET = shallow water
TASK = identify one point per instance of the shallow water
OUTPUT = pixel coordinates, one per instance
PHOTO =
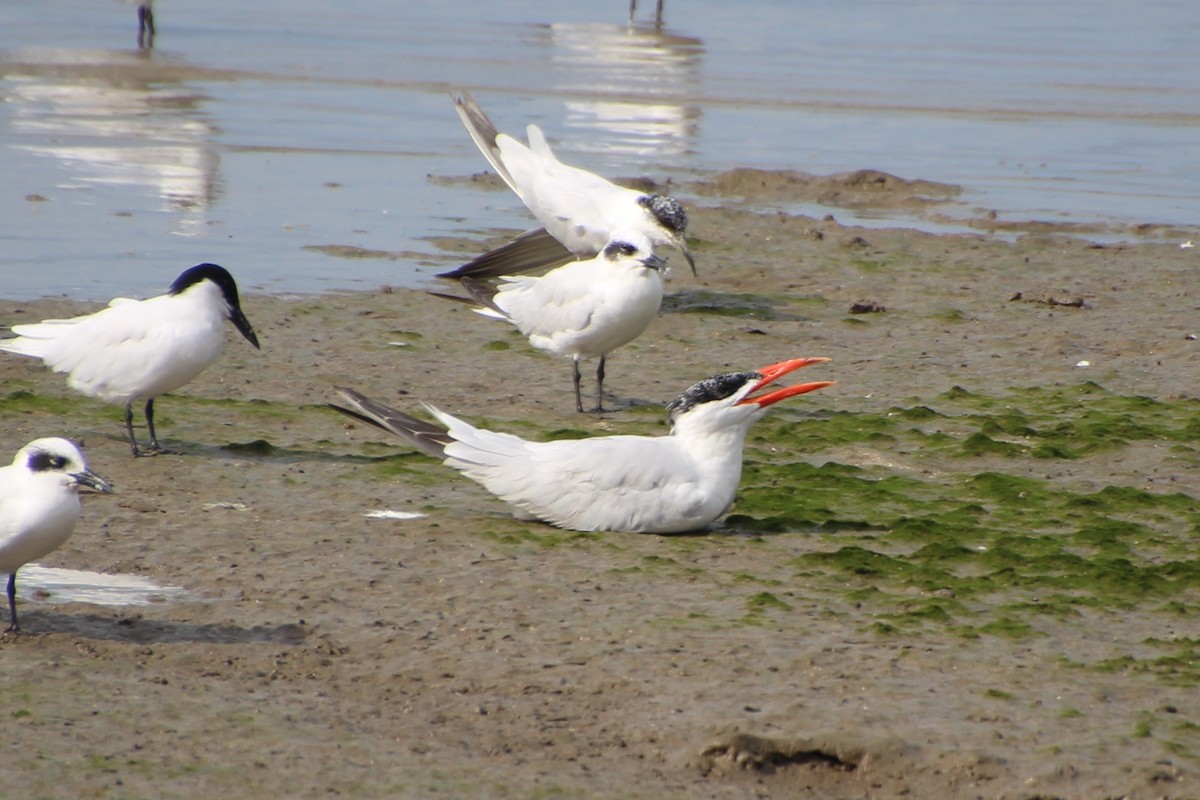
(54, 585)
(250, 133)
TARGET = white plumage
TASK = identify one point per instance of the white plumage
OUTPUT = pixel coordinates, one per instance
(140, 348)
(39, 505)
(580, 212)
(642, 484)
(585, 309)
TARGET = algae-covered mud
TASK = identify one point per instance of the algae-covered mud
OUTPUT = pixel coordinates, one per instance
(968, 569)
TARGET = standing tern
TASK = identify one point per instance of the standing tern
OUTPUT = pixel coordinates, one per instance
(585, 309)
(140, 348)
(39, 505)
(579, 210)
(640, 484)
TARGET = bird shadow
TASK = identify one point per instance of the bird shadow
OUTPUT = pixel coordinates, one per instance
(756, 307)
(258, 450)
(138, 630)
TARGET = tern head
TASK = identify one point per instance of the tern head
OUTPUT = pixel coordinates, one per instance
(62, 458)
(733, 399)
(633, 246)
(223, 281)
(670, 216)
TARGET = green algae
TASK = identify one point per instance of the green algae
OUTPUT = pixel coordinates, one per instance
(992, 546)
(1177, 662)
(763, 601)
(971, 537)
(25, 402)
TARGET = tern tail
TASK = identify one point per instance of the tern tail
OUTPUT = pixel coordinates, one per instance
(426, 436)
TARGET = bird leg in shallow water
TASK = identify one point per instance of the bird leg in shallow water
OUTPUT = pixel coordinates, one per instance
(145, 38)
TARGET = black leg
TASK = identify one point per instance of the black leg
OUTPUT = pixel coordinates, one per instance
(129, 429)
(154, 448)
(150, 425)
(145, 26)
(599, 409)
(15, 627)
(578, 401)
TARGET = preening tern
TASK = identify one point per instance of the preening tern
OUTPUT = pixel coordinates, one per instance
(579, 211)
(584, 309)
(642, 484)
(39, 505)
(140, 348)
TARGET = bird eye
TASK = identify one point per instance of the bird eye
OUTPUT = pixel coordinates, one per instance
(615, 249)
(42, 461)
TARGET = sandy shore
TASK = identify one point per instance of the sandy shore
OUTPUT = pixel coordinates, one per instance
(320, 652)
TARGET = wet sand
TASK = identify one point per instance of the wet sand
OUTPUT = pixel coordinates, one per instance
(320, 652)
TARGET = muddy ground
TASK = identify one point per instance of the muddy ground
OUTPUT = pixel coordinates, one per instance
(319, 652)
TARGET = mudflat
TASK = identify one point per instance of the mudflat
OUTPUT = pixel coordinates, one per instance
(968, 569)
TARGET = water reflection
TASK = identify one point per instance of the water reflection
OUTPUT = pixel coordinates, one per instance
(117, 119)
(639, 80)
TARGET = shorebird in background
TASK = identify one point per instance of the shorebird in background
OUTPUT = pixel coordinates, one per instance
(140, 348)
(641, 484)
(145, 14)
(579, 210)
(39, 505)
(584, 309)
(658, 12)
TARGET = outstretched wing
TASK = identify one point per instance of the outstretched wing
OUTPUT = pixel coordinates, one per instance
(484, 133)
(531, 251)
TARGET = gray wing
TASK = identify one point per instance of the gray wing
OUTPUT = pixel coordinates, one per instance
(530, 252)
(484, 133)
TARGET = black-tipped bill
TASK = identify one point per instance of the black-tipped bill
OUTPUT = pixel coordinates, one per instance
(243, 325)
(654, 262)
(683, 248)
(92, 481)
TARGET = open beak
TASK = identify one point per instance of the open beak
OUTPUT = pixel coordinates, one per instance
(243, 325)
(92, 481)
(773, 373)
(683, 248)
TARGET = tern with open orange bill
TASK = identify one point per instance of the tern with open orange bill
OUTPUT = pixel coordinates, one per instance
(641, 484)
